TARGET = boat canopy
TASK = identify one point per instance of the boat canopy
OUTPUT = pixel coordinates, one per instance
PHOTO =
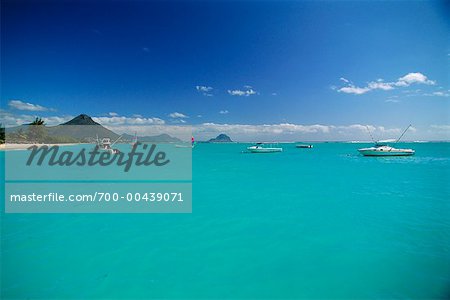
(385, 142)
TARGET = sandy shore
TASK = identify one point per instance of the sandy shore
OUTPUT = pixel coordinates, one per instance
(26, 146)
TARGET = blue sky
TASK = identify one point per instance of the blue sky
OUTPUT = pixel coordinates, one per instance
(230, 66)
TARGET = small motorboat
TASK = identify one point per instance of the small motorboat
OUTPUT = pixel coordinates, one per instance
(304, 146)
(381, 148)
(192, 145)
(106, 145)
(259, 148)
(184, 146)
(385, 150)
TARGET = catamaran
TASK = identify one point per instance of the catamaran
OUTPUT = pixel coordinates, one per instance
(259, 148)
(381, 148)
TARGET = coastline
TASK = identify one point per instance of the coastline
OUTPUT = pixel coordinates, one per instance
(13, 147)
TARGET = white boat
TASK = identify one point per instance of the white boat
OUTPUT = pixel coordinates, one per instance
(192, 145)
(184, 146)
(381, 148)
(385, 150)
(259, 148)
(106, 145)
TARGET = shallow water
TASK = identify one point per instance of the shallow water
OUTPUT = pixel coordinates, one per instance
(305, 223)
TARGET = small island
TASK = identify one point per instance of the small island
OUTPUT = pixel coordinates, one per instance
(221, 138)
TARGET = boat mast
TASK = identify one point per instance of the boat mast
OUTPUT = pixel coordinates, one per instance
(403, 133)
(370, 133)
(116, 140)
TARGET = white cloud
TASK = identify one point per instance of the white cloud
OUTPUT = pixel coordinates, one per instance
(441, 127)
(177, 115)
(10, 120)
(245, 132)
(353, 90)
(439, 94)
(297, 132)
(265, 132)
(441, 132)
(411, 78)
(113, 114)
(205, 90)
(202, 88)
(287, 132)
(379, 84)
(178, 121)
(236, 92)
(180, 131)
(392, 100)
(56, 120)
(20, 105)
(114, 121)
(274, 94)
(248, 91)
(273, 128)
(224, 112)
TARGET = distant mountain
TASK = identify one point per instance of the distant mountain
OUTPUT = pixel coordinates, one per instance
(161, 138)
(81, 120)
(82, 128)
(221, 138)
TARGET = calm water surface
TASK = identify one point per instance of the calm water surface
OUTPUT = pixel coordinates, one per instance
(306, 223)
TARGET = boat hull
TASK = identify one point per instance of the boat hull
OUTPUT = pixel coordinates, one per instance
(396, 152)
(264, 150)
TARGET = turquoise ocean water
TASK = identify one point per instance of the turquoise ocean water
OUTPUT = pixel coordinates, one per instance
(306, 223)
